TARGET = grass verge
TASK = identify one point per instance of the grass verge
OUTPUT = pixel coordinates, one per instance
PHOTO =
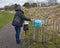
(5, 18)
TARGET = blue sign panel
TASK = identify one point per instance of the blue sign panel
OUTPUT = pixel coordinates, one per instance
(38, 23)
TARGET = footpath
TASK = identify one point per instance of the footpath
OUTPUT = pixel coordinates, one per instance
(7, 37)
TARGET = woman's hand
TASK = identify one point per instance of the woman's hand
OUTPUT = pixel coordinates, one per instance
(32, 20)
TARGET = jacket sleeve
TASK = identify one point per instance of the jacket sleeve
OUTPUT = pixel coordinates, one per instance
(23, 17)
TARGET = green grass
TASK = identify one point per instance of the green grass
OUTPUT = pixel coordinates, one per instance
(5, 18)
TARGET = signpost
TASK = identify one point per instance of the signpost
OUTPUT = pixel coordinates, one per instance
(37, 25)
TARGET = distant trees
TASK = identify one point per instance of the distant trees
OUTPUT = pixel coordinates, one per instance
(34, 4)
(1, 8)
(40, 4)
(9, 7)
(12, 7)
(28, 5)
(52, 2)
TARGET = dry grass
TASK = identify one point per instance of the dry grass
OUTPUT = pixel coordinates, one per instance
(45, 12)
(52, 22)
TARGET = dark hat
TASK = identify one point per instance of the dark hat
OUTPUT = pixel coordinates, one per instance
(17, 9)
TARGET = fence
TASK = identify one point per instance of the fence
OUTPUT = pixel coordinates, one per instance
(49, 32)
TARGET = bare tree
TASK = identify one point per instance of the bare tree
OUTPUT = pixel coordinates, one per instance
(52, 2)
(31, 1)
(38, 4)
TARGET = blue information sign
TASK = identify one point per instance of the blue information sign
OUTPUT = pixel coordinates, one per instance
(38, 23)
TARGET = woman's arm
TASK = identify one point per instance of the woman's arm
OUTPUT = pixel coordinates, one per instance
(23, 17)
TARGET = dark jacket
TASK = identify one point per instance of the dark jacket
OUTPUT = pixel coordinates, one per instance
(20, 14)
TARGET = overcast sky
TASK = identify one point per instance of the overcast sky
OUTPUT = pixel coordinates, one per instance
(21, 2)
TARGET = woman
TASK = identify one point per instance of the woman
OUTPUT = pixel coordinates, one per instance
(20, 14)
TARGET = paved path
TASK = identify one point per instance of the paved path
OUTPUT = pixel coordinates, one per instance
(7, 37)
